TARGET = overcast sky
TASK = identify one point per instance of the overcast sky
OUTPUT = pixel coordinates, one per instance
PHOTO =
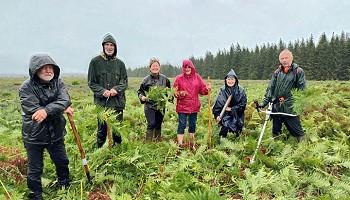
(171, 30)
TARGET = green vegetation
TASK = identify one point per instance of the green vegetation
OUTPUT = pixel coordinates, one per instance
(160, 96)
(317, 168)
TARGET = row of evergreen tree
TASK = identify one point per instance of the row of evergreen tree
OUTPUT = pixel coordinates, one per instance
(329, 59)
(166, 69)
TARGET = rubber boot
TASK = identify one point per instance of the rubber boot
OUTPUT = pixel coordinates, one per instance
(219, 139)
(117, 139)
(237, 133)
(180, 138)
(36, 188)
(62, 176)
(276, 136)
(157, 134)
(191, 143)
(101, 135)
(300, 138)
(35, 196)
(149, 135)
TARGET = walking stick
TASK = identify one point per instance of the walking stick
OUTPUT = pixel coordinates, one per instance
(209, 118)
(109, 136)
(77, 140)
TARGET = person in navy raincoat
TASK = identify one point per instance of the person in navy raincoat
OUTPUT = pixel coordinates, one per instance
(233, 117)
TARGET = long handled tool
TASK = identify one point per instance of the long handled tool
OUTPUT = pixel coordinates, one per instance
(81, 150)
(268, 112)
(223, 112)
(209, 117)
(225, 106)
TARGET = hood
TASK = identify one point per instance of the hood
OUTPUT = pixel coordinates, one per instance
(235, 88)
(39, 60)
(188, 63)
(108, 37)
(231, 73)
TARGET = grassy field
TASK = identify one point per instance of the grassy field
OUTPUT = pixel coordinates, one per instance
(317, 168)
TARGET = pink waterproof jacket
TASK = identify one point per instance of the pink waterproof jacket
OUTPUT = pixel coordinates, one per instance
(193, 85)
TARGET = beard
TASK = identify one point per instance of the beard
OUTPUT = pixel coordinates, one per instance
(46, 76)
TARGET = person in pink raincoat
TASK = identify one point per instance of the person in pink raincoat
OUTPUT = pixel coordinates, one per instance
(189, 85)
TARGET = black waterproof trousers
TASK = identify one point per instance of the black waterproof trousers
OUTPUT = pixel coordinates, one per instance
(224, 130)
(35, 154)
(292, 123)
(154, 118)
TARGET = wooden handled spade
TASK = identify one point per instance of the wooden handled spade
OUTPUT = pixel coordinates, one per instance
(81, 150)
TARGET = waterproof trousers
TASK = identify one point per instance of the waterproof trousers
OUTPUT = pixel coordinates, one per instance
(224, 130)
(35, 154)
(292, 123)
(154, 118)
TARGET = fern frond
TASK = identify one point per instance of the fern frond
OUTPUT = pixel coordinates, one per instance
(304, 99)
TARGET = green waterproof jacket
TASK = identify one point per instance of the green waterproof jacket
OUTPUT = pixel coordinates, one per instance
(281, 85)
(105, 74)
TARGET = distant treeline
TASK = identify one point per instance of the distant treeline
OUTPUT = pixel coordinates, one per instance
(328, 59)
(166, 69)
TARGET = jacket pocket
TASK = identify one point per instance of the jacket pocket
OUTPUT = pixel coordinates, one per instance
(34, 132)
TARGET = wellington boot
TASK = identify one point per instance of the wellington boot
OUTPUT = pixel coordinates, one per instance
(191, 141)
(149, 135)
(157, 135)
(180, 138)
(276, 136)
(35, 196)
(220, 139)
(300, 138)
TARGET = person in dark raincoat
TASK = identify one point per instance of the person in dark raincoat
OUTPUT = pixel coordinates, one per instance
(44, 98)
(286, 77)
(232, 119)
(108, 80)
(153, 115)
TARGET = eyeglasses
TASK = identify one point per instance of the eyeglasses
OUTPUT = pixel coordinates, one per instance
(154, 60)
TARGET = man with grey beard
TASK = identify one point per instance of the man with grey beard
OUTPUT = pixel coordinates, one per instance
(44, 99)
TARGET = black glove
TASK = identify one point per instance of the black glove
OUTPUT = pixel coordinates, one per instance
(256, 104)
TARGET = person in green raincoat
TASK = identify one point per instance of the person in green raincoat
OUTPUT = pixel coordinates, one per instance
(286, 77)
(108, 80)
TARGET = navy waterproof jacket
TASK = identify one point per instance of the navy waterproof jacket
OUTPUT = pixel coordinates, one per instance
(233, 119)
